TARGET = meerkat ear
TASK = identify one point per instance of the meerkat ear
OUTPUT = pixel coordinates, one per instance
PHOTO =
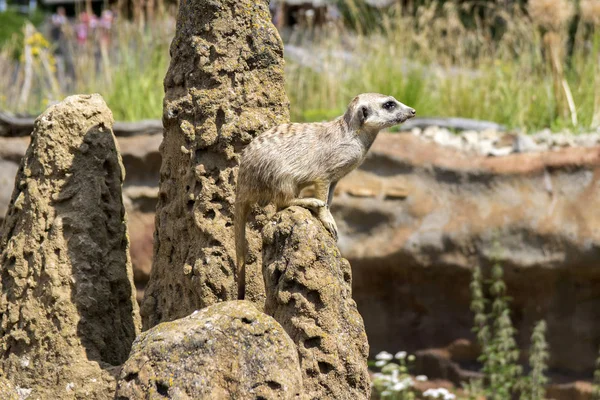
(363, 114)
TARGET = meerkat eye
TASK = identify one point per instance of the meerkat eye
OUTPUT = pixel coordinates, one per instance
(390, 105)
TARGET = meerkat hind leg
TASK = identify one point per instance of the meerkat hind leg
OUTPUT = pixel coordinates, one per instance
(330, 193)
(324, 191)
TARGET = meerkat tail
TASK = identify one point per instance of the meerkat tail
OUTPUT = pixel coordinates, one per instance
(242, 209)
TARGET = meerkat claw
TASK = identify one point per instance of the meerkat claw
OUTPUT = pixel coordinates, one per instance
(331, 228)
(328, 222)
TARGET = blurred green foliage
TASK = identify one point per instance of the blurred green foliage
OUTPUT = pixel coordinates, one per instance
(11, 23)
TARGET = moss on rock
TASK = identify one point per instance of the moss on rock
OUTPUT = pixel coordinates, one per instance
(226, 351)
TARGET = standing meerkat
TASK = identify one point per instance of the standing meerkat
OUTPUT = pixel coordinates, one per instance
(278, 164)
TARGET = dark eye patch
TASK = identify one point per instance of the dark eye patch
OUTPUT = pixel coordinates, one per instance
(390, 105)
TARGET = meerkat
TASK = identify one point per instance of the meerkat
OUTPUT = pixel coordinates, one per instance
(278, 164)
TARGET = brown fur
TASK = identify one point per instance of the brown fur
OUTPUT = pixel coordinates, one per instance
(277, 165)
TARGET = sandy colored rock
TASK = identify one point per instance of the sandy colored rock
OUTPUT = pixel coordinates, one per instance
(578, 390)
(309, 293)
(224, 87)
(439, 364)
(68, 309)
(413, 294)
(229, 350)
(141, 160)
(7, 390)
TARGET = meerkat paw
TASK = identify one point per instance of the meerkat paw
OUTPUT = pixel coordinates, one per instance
(311, 203)
(328, 222)
(332, 228)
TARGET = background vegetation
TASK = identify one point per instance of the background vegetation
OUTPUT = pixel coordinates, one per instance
(11, 23)
(527, 67)
(502, 378)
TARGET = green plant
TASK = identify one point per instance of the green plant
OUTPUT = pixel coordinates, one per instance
(127, 69)
(499, 353)
(11, 23)
(597, 379)
(534, 387)
(482, 60)
(474, 389)
(495, 333)
(478, 306)
(443, 64)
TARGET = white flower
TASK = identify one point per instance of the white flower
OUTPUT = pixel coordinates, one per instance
(380, 363)
(431, 393)
(403, 384)
(439, 393)
(411, 358)
(384, 355)
(390, 367)
(401, 355)
(400, 386)
(421, 378)
(381, 377)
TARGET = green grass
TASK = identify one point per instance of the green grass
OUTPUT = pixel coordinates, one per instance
(441, 65)
(137, 85)
(432, 58)
(11, 23)
(128, 75)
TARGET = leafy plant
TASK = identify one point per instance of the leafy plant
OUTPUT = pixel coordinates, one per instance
(538, 357)
(500, 356)
(495, 334)
(11, 23)
(597, 379)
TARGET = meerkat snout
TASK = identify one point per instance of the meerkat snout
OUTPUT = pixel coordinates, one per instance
(383, 113)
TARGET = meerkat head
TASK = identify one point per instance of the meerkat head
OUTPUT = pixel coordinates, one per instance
(373, 111)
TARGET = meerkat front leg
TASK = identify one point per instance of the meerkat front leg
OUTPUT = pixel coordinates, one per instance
(312, 204)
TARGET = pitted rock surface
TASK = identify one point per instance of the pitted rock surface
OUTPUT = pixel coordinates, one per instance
(68, 309)
(229, 350)
(224, 87)
(309, 293)
(413, 294)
